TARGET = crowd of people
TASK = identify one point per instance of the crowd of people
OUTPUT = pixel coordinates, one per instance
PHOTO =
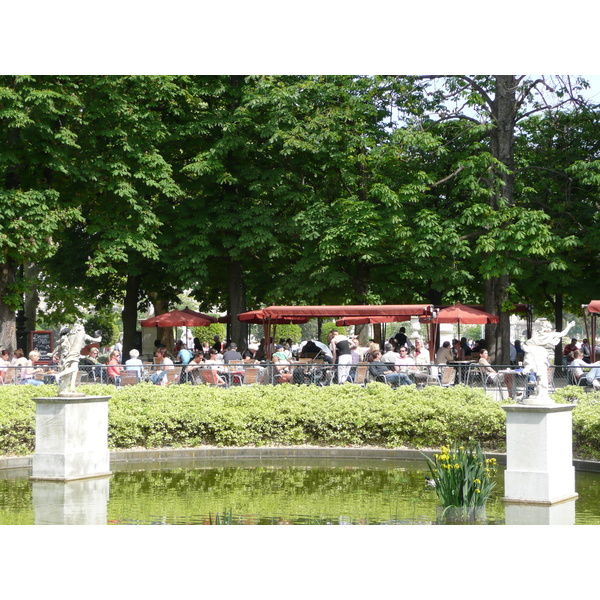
(401, 361)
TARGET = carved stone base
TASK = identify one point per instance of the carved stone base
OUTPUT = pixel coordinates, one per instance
(71, 438)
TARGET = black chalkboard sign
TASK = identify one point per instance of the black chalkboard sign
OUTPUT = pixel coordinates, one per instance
(43, 342)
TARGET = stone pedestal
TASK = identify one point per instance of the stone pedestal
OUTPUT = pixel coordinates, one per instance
(71, 438)
(562, 513)
(539, 454)
(81, 502)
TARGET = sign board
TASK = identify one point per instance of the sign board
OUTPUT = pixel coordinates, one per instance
(43, 342)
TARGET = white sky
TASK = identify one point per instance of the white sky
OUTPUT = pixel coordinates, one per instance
(312, 37)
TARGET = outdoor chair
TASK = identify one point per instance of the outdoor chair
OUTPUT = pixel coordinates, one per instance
(129, 378)
(424, 377)
(9, 376)
(172, 375)
(211, 377)
(361, 374)
(447, 376)
(251, 376)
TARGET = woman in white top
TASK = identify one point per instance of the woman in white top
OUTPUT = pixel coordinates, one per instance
(28, 374)
(165, 363)
(4, 364)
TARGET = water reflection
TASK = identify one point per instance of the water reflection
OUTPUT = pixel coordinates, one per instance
(257, 492)
(81, 502)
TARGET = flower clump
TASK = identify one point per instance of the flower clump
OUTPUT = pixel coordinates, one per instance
(463, 477)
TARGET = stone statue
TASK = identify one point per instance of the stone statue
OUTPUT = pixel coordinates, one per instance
(536, 357)
(72, 340)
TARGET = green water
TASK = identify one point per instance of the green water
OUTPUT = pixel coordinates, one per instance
(254, 492)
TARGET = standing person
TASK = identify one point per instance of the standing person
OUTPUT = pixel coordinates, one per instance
(119, 346)
(401, 337)
(183, 356)
(355, 354)
(114, 368)
(218, 345)
(340, 349)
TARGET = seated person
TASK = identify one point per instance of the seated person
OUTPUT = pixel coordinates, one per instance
(444, 354)
(494, 375)
(114, 369)
(568, 351)
(593, 375)
(281, 370)
(379, 370)
(577, 365)
(4, 363)
(134, 363)
(232, 354)
(195, 365)
(390, 356)
(28, 375)
(182, 354)
(165, 363)
(404, 362)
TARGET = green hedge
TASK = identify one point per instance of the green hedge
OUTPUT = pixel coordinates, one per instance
(188, 416)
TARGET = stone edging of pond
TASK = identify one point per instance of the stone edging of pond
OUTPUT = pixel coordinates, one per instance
(266, 452)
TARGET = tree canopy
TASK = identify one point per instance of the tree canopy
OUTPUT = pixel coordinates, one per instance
(245, 191)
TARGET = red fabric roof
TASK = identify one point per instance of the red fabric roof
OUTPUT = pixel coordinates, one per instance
(179, 318)
(460, 313)
(594, 306)
(258, 316)
(362, 310)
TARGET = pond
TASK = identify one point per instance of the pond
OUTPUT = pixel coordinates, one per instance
(252, 492)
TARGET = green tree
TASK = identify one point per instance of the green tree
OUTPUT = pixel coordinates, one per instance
(37, 116)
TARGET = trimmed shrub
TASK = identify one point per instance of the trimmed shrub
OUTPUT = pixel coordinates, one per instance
(151, 416)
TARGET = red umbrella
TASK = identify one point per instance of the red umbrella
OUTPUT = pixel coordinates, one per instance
(460, 313)
(179, 318)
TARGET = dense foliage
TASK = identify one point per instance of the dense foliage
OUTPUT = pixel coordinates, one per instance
(255, 190)
(188, 416)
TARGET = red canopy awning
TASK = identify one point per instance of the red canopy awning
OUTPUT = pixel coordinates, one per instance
(258, 316)
(179, 318)
(361, 310)
(366, 320)
(461, 313)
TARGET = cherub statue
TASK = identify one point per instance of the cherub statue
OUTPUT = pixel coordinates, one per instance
(71, 342)
(536, 356)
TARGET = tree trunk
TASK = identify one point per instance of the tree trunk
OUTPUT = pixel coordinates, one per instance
(497, 337)
(558, 326)
(502, 144)
(31, 298)
(164, 334)
(237, 303)
(8, 325)
(129, 314)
